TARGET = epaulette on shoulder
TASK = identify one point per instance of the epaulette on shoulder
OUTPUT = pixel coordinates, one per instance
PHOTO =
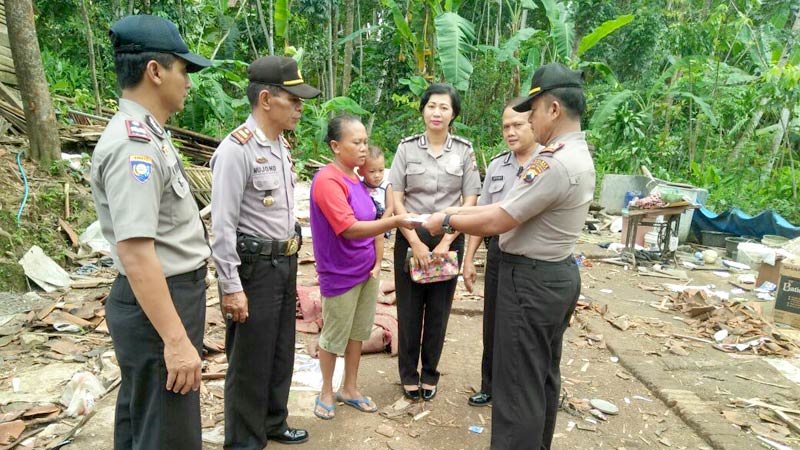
(137, 131)
(500, 155)
(242, 134)
(461, 139)
(410, 138)
(552, 148)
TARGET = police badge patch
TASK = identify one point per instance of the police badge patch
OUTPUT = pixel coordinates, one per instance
(141, 167)
(537, 167)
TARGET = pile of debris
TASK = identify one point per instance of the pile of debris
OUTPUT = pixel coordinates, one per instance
(60, 362)
(85, 130)
(729, 327)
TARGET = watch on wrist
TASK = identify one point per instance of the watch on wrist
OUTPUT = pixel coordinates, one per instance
(446, 227)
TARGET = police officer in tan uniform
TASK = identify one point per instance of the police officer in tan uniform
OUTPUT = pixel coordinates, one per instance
(156, 309)
(500, 176)
(539, 221)
(430, 172)
(256, 240)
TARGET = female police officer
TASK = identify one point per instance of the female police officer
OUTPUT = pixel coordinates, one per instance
(430, 172)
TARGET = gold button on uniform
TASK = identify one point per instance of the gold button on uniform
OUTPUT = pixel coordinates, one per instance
(268, 201)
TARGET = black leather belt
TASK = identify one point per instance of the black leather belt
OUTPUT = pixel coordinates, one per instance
(280, 248)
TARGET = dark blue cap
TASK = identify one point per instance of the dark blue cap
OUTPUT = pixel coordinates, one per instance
(144, 33)
(548, 77)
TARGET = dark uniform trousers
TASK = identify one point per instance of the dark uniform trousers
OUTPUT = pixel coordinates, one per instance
(489, 306)
(535, 302)
(261, 354)
(148, 416)
(422, 313)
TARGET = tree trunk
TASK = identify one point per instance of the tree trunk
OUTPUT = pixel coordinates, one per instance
(117, 9)
(692, 119)
(331, 53)
(267, 35)
(348, 46)
(783, 126)
(131, 5)
(181, 18)
(39, 113)
(497, 24)
(250, 38)
(515, 71)
(271, 16)
(92, 62)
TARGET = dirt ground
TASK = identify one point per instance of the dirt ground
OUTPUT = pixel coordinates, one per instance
(589, 371)
(672, 388)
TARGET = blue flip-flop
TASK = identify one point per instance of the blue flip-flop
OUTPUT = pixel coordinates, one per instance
(356, 403)
(328, 408)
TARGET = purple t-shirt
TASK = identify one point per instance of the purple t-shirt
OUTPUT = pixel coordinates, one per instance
(337, 202)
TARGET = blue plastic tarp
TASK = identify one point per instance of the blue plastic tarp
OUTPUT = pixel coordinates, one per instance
(737, 222)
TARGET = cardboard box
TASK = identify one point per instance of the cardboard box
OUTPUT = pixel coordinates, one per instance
(787, 302)
(769, 273)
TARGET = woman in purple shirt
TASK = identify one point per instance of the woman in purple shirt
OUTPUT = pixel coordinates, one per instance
(343, 227)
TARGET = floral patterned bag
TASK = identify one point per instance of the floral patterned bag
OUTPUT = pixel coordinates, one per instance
(439, 269)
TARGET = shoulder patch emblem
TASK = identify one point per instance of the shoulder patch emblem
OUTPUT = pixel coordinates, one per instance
(474, 159)
(154, 126)
(537, 167)
(137, 131)
(552, 148)
(242, 135)
(141, 167)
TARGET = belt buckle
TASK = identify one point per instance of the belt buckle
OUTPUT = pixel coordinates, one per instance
(291, 246)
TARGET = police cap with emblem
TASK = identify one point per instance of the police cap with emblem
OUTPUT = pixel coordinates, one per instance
(144, 33)
(283, 72)
(548, 77)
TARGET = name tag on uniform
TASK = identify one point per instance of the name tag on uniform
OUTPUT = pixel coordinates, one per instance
(497, 178)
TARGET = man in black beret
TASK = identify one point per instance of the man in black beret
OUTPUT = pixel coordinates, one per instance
(256, 239)
(539, 222)
(156, 309)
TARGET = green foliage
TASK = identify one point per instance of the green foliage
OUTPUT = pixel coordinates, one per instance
(281, 17)
(454, 36)
(562, 29)
(676, 89)
(608, 27)
(314, 126)
(217, 101)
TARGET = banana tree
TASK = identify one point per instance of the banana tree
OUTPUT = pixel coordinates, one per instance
(561, 45)
(315, 121)
(437, 37)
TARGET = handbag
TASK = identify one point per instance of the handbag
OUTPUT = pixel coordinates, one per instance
(439, 269)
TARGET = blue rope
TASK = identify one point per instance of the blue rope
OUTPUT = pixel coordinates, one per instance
(25, 196)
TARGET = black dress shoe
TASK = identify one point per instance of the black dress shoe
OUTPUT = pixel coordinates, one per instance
(428, 394)
(412, 395)
(290, 436)
(480, 399)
